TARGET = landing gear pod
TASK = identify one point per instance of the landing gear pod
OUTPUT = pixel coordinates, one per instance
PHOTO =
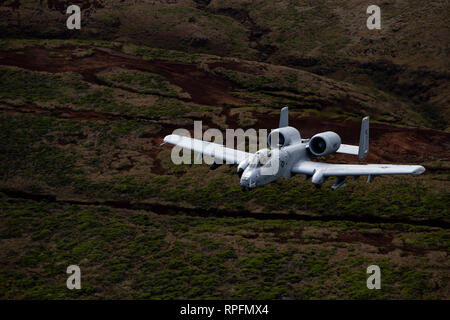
(318, 178)
(242, 166)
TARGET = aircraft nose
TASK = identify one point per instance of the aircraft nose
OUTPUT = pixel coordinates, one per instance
(248, 183)
(248, 179)
(244, 182)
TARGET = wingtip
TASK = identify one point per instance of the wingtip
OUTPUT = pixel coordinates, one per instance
(419, 170)
(171, 137)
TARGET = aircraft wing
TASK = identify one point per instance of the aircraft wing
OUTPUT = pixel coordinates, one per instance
(329, 169)
(215, 150)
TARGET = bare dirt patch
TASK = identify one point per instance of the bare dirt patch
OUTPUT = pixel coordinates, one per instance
(204, 88)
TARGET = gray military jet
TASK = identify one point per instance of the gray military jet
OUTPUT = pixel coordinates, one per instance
(289, 154)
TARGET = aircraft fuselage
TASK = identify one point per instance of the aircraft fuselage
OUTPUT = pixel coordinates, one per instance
(278, 164)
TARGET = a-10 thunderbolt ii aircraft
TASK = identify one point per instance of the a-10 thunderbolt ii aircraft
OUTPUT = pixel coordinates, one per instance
(289, 154)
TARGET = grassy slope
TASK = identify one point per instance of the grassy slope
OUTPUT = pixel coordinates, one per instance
(139, 254)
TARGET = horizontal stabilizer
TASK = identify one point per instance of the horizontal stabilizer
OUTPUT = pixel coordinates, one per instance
(348, 149)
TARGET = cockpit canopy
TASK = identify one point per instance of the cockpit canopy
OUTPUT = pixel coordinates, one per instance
(260, 158)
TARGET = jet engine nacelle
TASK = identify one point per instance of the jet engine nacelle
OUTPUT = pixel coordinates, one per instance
(324, 143)
(283, 137)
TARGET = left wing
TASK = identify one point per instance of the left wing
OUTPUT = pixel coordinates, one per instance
(215, 150)
(330, 169)
(319, 171)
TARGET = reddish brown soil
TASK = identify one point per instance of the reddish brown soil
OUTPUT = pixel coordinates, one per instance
(203, 87)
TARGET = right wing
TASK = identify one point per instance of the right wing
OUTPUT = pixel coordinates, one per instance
(215, 150)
